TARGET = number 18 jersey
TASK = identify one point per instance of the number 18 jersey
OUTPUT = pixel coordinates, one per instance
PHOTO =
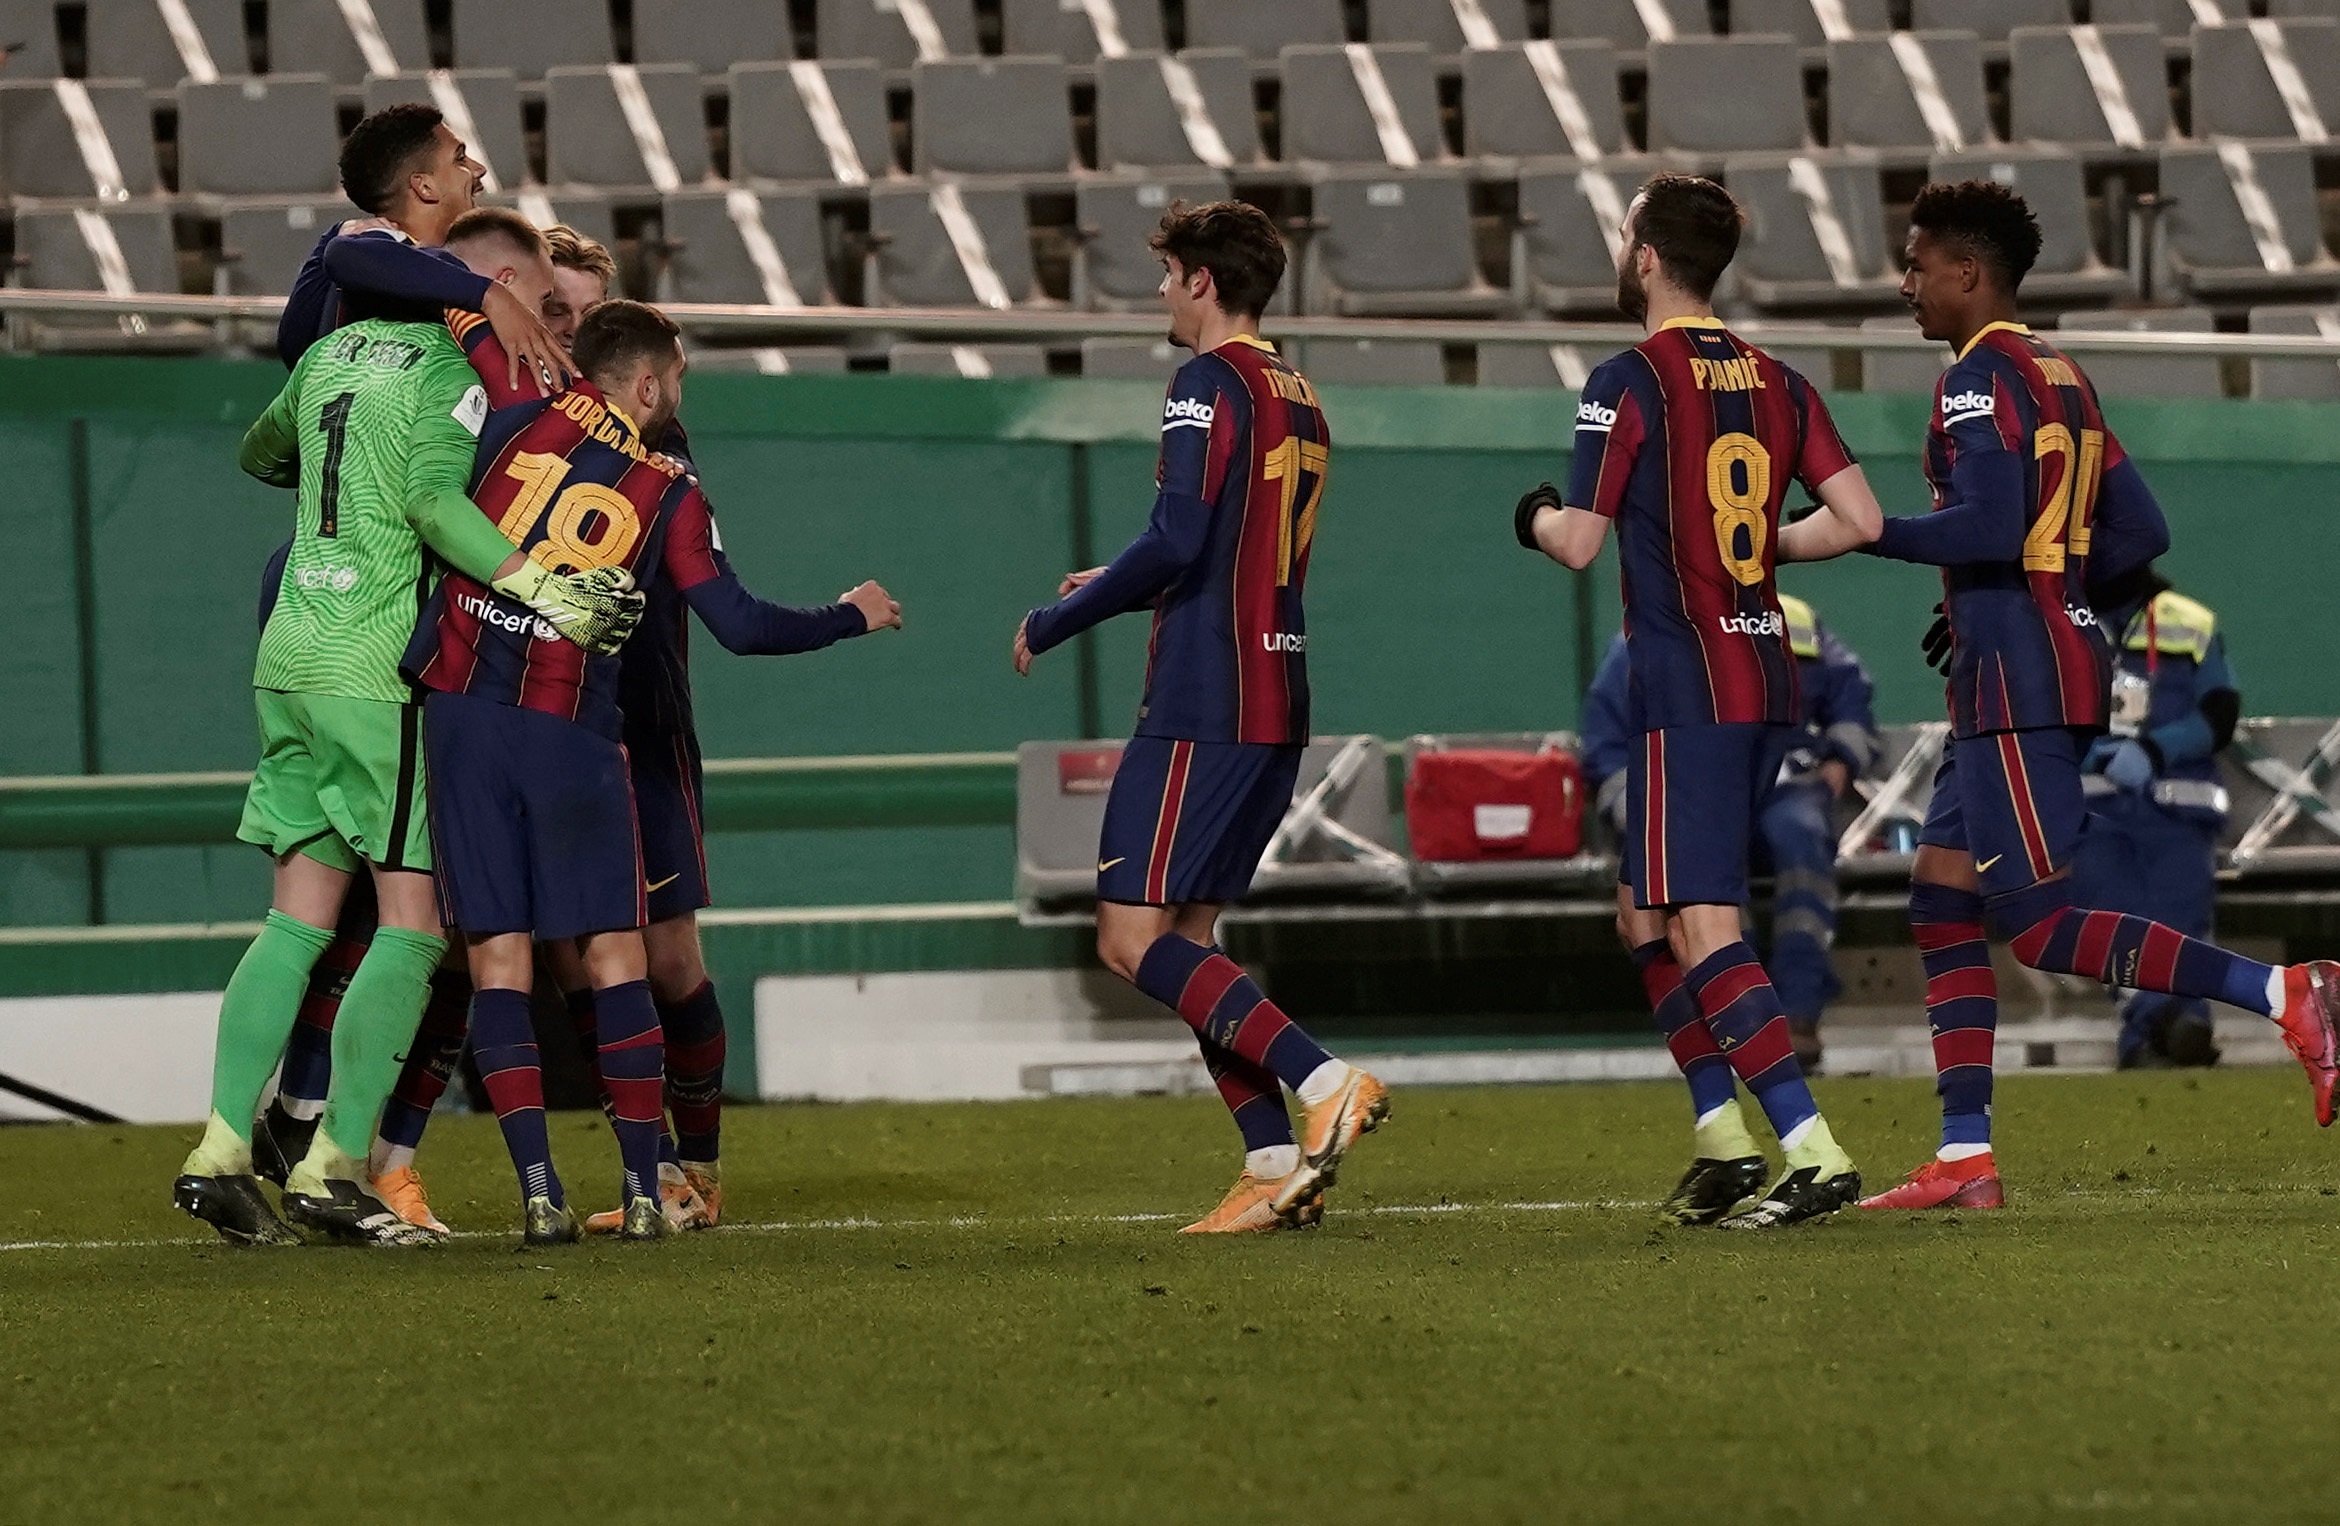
(1689, 441)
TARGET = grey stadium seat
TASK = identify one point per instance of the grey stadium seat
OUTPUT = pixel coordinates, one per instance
(1438, 24)
(1568, 213)
(489, 97)
(1151, 360)
(531, 37)
(771, 360)
(1800, 19)
(1397, 245)
(263, 244)
(1714, 95)
(1373, 363)
(1326, 116)
(2144, 375)
(1621, 23)
(2176, 19)
(1874, 101)
(1797, 206)
(255, 136)
(1992, 20)
(2210, 242)
(776, 136)
(1912, 371)
(917, 265)
(1263, 31)
(590, 141)
(2287, 10)
(1535, 365)
(1113, 269)
(2055, 101)
(992, 116)
(32, 26)
(2068, 269)
(975, 361)
(588, 212)
(52, 255)
(315, 37)
(882, 31)
(1508, 111)
(1081, 33)
(712, 242)
(2304, 379)
(128, 39)
(41, 156)
(2235, 94)
(710, 35)
(1141, 123)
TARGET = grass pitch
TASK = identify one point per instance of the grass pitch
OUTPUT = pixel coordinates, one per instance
(980, 1313)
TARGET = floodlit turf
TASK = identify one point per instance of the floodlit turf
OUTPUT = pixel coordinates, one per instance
(2147, 1334)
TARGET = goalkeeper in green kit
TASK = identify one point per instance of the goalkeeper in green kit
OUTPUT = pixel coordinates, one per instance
(377, 429)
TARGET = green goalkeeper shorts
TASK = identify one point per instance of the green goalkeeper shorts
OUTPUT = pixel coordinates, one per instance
(340, 781)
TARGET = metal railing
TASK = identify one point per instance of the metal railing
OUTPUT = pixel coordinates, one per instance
(715, 320)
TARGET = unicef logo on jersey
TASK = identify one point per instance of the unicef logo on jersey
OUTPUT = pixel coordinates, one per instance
(1591, 415)
(325, 579)
(1753, 625)
(2081, 615)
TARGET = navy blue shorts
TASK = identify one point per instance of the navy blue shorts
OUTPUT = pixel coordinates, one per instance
(1187, 821)
(2013, 799)
(1693, 795)
(532, 821)
(670, 804)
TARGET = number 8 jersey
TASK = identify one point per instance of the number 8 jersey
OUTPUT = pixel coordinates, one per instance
(1689, 441)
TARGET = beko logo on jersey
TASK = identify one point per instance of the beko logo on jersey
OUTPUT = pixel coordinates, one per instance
(488, 612)
(1187, 413)
(1284, 641)
(315, 579)
(1591, 415)
(1754, 625)
(1958, 407)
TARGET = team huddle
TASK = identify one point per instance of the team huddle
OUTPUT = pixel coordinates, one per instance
(474, 702)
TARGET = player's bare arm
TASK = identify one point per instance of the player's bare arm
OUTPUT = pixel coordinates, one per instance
(1849, 518)
(1572, 537)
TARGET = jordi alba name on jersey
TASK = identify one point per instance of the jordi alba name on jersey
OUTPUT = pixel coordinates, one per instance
(1689, 441)
(2029, 651)
(1245, 444)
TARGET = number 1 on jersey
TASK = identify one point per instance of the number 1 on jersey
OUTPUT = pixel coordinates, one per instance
(334, 420)
(1286, 465)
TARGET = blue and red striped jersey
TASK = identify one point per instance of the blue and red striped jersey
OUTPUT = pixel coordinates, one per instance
(1689, 441)
(570, 482)
(1245, 451)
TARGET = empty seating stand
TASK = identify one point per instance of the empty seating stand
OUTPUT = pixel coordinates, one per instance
(321, 37)
(108, 156)
(1113, 270)
(482, 107)
(1812, 26)
(1194, 109)
(2116, 375)
(896, 33)
(975, 362)
(1447, 27)
(992, 116)
(1082, 31)
(1718, 95)
(1632, 25)
(742, 246)
(623, 125)
(1534, 365)
(1995, 21)
(2267, 80)
(121, 250)
(2068, 269)
(810, 122)
(2243, 221)
(589, 212)
(255, 136)
(130, 39)
(1571, 216)
(263, 244)
(2175, 19)
(1373, 363)
(1815, 232)
(710, 35)
(30, 27)
(770, 360)
(1397, 245)
(947, 245)
(1146, 360)
(2101, 89)
(1543, 99)
(1262, 31)
(2307, 379)
(1907, 94)
(1361, 103)
(531, 37)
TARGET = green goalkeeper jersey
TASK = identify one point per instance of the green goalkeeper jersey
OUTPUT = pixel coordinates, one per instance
(382, 420)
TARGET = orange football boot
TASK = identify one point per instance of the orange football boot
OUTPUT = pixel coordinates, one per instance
(704, 1181)
(401, 1190)
(2311, 1005)
(1969, 1183)
(1331, 1128)
(1250, 1208)
(681, 1205)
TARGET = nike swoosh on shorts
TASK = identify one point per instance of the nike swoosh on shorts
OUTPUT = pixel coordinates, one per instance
(1109, 863)
(662, 884)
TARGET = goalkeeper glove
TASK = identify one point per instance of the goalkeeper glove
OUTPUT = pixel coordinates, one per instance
(1523, 519)
(1936, 642)
(597, 609)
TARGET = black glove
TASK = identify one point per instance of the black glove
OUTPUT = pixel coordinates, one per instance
(1936, 642)
(1523, 519)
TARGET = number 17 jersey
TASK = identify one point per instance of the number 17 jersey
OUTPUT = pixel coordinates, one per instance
(1689, 441)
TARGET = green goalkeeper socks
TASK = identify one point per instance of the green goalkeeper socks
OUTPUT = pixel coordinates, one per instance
(379, 1014)
(256, 1017)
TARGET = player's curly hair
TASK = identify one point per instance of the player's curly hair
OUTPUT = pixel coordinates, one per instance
(1233, 240)
(1694, 225)
(1984, 218)
(572, 250)
(383, 150)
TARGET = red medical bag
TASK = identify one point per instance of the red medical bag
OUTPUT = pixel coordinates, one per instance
(1471, 805)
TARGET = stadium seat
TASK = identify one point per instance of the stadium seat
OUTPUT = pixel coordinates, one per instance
(1805, 22)
(771, 360)
(263, 244)
(1713, 95)
(1992, 20)
(1397, 245)
(1373, 362)
(917, 262)
(1911, 371)
(600, 131)
(894, 35)
(1081, 33)
(2242, 221)
(1534, 365)
(979, 362)
(820, 122)
(315, 37)
(2305, 379)
(42, 154)
(1570, 217)
(258, 136)
(760, 248)
(2058, 97)
(586, 211)
(531, 37)
(1908, 94)
(1538, 100)
(2068, 269)
(31, 26)
(1160, 111)
(1152, 360)
(120, 249)
(1263, 31)
(1445, 27)
(991, 116)
(129, 39)
(710, 35)
(1815, 231)
(1113, 270)
(1624, 24)
(2145, 375)
(2176, 19)
(1335, 97)
(482, 107)
(2235, 89)
(2289, 10)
